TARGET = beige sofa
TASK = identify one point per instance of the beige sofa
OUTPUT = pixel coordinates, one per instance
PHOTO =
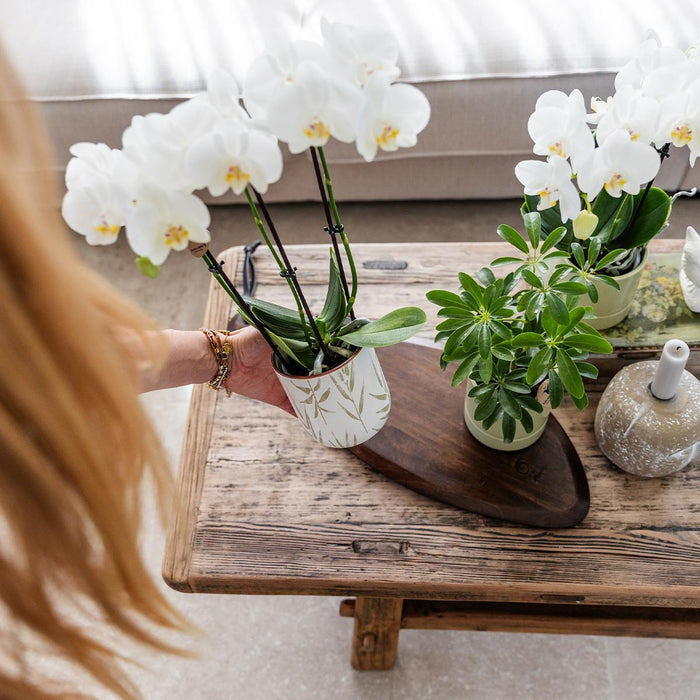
(93, 64)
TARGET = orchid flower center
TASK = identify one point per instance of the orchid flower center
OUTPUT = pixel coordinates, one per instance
(387, 136)
(682, 135)
(105, 229)
(548, 198)
(176, 237)
(317, 131)
(557, 149)
(615, 184)
(236, 176)
(634, 135)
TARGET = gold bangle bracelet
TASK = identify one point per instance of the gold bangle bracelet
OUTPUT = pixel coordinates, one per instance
(223, 352)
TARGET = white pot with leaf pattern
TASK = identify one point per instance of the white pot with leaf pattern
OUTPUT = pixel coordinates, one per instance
(344, 406)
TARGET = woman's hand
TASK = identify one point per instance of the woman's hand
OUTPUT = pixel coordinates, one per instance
(189, 360)
(251, 370)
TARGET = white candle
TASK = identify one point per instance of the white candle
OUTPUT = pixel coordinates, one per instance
(669, 370)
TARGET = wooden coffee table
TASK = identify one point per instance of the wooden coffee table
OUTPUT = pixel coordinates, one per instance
(262, 509)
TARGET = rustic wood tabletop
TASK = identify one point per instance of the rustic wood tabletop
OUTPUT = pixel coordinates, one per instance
(262, 509)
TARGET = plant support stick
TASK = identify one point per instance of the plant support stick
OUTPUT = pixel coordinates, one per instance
(339, 227)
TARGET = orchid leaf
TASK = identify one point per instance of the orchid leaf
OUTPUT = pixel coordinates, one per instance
(394, 327)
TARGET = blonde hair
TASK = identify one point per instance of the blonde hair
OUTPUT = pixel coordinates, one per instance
(75, 443)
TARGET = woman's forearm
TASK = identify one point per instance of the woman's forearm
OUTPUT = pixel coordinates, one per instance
(188, 360)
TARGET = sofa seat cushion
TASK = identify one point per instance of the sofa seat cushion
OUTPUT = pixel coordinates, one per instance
(93, 64)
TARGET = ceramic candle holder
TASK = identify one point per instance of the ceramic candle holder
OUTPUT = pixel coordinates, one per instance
(646, 435)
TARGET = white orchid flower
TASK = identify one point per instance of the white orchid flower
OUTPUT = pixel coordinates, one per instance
(272, 73)
(233, 156)
(309, 112)
(599, 109)
(651, 60)
(551, 182)
(224, 95)
(620, 165)
(391, 116)
(157, 143)
(94, 208)
(97, 160)
(680, 121)
(165, 220)
(558, 127)
(355, 54)
(630, 109)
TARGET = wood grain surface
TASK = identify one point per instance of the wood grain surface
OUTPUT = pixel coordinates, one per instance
(425, 446)
(264, 509)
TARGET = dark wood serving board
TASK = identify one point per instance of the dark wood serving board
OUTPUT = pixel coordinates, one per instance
(425, 445)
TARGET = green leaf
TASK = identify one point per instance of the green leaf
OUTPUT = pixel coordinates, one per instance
(484, 339)
(552, 239)
(592, 291)
(610, 257)
(508, 427)
(147, 268)
(580, 402)
(505, 261)
(457, 338)
(455, 312)
(533, 227)
(394, 327)
(502, 352)
(464, 369)
(500, 329)
(490, 420)
(481, 390)
(578, 254)
(588, 342)
(569, 288)
(298, 352)
(280, 320)
(609, 281)
(485, 276)
(532, 279)
(575, 316)
(486, 369)
(470, 285)
(526, 420)
(441, 297)
(531, 404)
(556, 389)
(557, 308)
(510, 235)
(587, 370)
(509, 405)
(617, 212)
(335, 307)
(594, 246)
(649, 219)
(538, 365)
(486, 407)
(528, 340)
(569, 374)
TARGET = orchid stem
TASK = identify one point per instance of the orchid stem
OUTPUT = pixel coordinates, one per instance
(280, 263)
(289, 272)
(216, 269)
(326, 186)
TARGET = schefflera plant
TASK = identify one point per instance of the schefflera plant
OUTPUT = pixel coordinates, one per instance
(511, 334)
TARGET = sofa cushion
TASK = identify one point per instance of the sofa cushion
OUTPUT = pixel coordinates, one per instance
(93, 64)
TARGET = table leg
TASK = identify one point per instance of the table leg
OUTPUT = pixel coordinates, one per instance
(376, 635)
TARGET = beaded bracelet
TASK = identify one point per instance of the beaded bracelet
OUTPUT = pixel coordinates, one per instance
(223, 350)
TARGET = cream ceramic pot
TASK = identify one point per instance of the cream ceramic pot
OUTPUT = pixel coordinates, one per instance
(342, 407)
(613, 305)
(493, 437)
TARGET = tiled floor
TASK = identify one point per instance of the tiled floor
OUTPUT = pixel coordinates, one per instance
(293, 648)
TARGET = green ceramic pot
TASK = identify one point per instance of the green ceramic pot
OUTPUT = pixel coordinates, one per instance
(613, 305)
(493, 437)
